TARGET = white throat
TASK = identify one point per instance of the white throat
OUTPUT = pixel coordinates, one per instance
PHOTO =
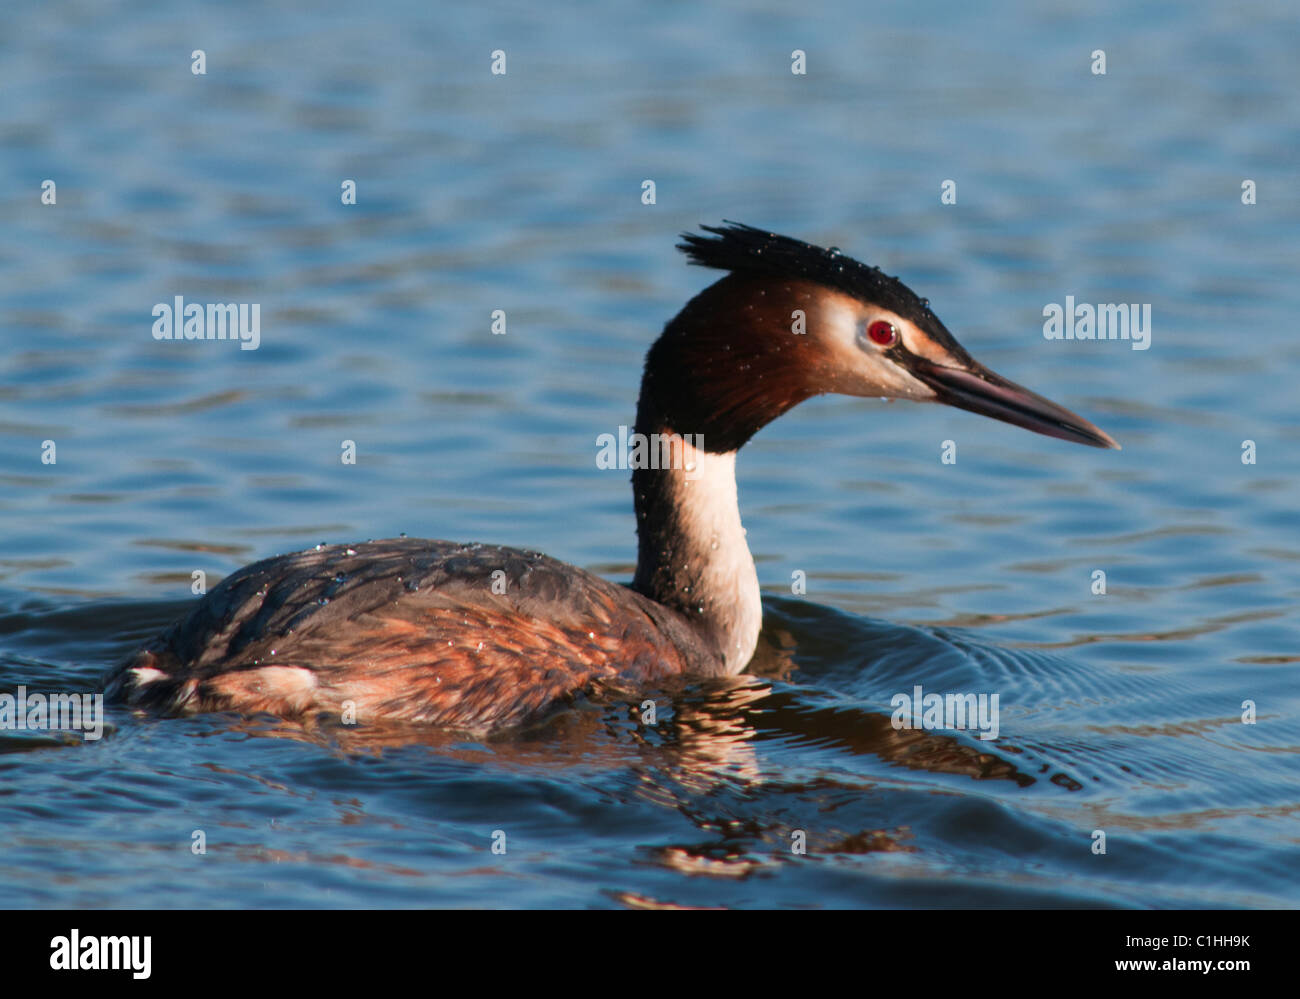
(693, 552)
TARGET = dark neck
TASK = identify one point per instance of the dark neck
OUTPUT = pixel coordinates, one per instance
(691, 549)
(724, 367)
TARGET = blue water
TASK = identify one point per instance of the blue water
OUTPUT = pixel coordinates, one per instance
(1120, 713)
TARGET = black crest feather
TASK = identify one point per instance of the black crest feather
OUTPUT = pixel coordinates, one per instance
(744, 249)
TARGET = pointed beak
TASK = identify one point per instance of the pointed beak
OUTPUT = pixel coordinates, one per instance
(976, 388)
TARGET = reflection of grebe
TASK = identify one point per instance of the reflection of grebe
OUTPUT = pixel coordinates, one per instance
(476, 636)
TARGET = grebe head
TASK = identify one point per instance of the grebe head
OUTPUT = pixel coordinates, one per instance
(792, 320)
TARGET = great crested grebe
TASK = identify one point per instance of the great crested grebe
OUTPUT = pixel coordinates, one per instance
(477, 637)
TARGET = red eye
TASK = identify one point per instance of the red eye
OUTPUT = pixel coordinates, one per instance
(882, 333)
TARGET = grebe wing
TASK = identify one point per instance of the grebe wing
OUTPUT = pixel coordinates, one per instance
(457, 634)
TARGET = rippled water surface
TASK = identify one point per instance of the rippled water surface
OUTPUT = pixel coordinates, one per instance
(1120, 713)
